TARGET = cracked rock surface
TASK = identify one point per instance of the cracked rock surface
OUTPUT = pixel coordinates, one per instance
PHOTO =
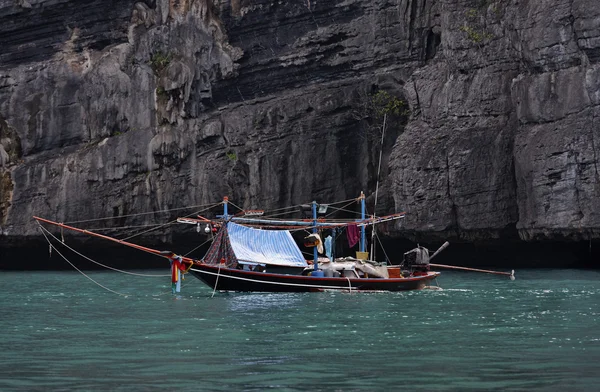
(115, 108)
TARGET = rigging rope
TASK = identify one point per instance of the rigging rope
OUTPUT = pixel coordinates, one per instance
(208, 240)
(377, 184)
(93, 261)
(338, 202)
(87, 258)
(379, 166)
(387, 259)
(279, 214)
(236, 206)
(80, 271)
(286, 210)
(149, 230)
(122, 227)
(165, 224)
(341, 209)
(143, 213)
(291, 209)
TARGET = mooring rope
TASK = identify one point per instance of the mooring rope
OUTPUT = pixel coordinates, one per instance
(216, 281)
(170, 292)
(349, 284)
(104, 287)
(93, 261)
(80, 271)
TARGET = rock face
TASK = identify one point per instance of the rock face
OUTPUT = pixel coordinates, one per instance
(113, 108)
(504, 135)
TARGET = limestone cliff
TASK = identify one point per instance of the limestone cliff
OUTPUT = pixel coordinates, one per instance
(109, 108)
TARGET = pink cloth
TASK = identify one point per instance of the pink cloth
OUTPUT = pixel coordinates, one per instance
(352, 234)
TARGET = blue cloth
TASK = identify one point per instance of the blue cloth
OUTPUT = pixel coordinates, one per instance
(328, 247)
(274, 247)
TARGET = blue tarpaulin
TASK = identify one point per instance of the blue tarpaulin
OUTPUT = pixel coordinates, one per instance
(274, 247)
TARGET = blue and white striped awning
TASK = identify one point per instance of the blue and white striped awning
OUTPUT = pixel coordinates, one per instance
(274, 247)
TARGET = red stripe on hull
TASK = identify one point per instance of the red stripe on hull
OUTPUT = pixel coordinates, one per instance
(238, 280)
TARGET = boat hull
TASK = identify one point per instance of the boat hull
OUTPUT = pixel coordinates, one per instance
(226, 279)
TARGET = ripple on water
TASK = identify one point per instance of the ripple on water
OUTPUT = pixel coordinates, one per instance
(538, 332)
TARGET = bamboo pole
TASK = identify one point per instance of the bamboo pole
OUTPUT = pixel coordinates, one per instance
(510, 274)
(130, 244)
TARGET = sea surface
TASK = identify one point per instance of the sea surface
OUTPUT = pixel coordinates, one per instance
(62, 331)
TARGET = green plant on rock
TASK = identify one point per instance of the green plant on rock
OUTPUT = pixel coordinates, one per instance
(231, 155)
(160, 91)
(475, 35)
(378, 110)
(383, 103)
(159, 61)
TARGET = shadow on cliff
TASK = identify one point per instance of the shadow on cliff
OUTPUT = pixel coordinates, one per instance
(500, 256)
(508, 255)
(38, 257)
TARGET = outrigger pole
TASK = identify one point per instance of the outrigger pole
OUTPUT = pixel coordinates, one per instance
(510, 274)
(130, 244)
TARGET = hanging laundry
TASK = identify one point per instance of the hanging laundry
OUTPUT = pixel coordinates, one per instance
(328, 248)
(313, 240)
(352, 234)
(319, 244)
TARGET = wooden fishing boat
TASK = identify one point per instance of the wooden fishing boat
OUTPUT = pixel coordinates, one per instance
(230, 279)
(248, 255)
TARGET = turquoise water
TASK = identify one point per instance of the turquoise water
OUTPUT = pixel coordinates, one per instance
(481, 332)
